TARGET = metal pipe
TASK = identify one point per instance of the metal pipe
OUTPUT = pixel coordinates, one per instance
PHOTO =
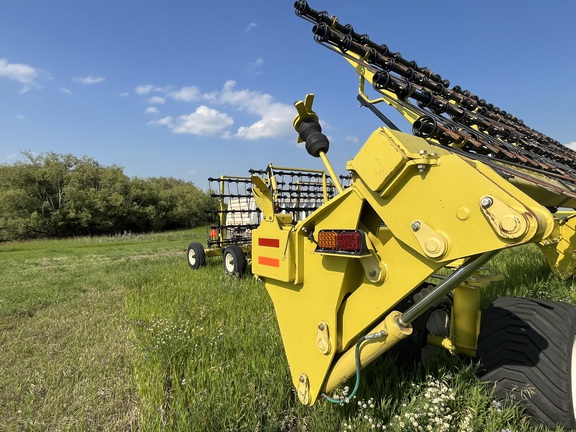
(447, 285)
(331, 172)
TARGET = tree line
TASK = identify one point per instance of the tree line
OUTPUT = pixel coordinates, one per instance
(61, 195)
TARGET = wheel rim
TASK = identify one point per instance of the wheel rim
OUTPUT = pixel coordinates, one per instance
(229, 263)
(573, 378)
(192, 257)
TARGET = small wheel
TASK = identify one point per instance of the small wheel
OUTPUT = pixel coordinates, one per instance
(196, 255)
(528, 353)
(234, 260)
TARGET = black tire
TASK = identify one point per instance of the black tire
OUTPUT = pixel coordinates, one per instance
(234, 261)
(526, 347)
(196, 256)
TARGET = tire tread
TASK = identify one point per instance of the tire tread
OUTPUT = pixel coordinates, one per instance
(525, 347)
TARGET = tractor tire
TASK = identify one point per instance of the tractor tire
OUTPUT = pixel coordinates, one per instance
(234, 261)
(196, 255)
(527, 353)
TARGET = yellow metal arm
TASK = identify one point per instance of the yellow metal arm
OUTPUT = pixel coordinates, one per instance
(469, 182)
(414, 219)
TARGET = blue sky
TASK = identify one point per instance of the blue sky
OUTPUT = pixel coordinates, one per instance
(193, 89)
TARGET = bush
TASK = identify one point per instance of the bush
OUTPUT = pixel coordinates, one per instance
(55, 195)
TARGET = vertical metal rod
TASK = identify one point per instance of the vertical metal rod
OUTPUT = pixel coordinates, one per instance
(325, 187)
(447, 285)
(331, 172)
(222, 215)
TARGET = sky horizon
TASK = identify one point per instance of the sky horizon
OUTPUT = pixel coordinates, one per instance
(191, 91)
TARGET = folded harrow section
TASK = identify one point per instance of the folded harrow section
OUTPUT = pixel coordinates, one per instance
(358, 275)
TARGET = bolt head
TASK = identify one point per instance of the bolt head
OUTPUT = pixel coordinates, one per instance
(321, 326)
(415, 226)
(486, 202)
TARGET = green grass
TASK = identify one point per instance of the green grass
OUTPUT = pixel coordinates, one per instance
(119, 334)
(68, 353)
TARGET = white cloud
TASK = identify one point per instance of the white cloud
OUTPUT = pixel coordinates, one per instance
(275, 117)
(156, 100)
(186, 94)
(18, 72)
(166, 121)
(571, 145)
(251, 26)
(90, 79)
(353, 139)
(203, 121)
(256, 66)
(146, 89)
(152, 110)
(66, 90)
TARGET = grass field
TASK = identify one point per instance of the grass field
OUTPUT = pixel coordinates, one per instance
(119, 334)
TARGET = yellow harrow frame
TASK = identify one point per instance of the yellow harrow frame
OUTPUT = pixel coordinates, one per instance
(469, 182)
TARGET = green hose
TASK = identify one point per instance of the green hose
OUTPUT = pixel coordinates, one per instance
(355, 389)
(381, 333)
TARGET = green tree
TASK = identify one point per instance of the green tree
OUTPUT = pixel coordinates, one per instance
(53, 195)
(32, 195)
(168, 203)
(97, 198)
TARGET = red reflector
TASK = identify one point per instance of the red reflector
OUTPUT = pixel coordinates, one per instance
(269, 242)
(350, 241)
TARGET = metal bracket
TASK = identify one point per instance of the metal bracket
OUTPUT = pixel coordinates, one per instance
(373, 270)
(323, 338)
(507, 222)
(433, 244)
(423, 159)
(263, 198)
(304, 389)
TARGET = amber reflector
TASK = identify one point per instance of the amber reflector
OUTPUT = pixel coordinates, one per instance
(328, 240)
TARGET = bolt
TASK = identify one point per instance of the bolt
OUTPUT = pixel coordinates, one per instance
(421, 167)
(321, 327)
(302, 378)
(422, 152)
(415, 226)
(304, 229)
(486, 202)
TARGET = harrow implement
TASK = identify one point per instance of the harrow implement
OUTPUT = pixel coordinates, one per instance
(297, 192)
(352, 280)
